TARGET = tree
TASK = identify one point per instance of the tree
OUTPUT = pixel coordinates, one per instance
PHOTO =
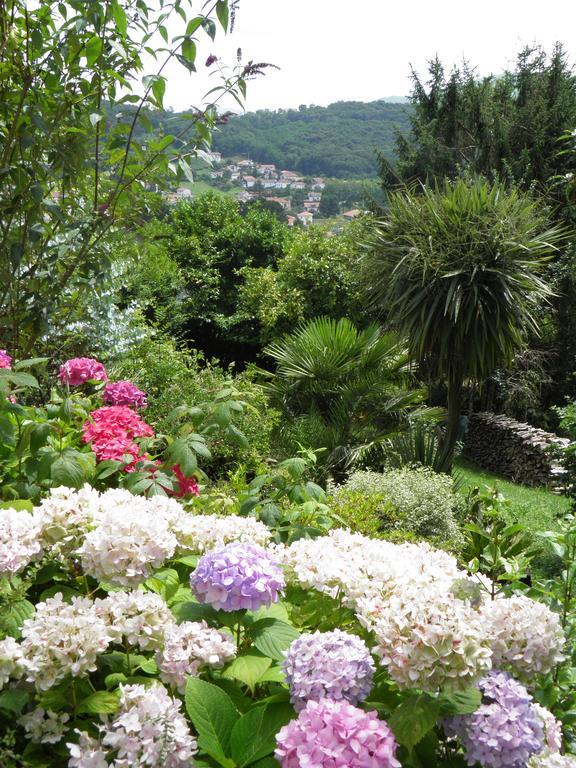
(188, 278)
(457, 268)
(75, 141)
(316, 275)
(506, 126)
(344, 389)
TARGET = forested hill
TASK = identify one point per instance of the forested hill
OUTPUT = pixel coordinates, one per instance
(337, 141)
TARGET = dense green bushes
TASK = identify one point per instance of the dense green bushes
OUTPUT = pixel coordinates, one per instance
(173, 377)
(419, 501)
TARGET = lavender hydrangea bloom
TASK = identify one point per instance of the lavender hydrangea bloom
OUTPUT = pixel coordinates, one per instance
(334, 734)
(506, 729)
(333, 665)
(237, 576)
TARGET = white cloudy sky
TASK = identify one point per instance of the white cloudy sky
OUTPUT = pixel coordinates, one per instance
(330, 50)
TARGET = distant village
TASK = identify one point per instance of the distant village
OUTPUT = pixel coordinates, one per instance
(259, 180)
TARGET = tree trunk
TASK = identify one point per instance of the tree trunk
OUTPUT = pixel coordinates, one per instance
(454, 398)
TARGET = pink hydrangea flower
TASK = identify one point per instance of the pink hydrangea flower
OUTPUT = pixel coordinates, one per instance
(186, 485)
(5, 359)
(124, 393)
(112, 431)
(335, 734)
(78, 370)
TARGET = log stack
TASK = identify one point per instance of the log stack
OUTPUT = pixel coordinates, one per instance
(519, 451)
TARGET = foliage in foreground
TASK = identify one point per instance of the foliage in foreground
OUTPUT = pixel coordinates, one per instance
(137, 629)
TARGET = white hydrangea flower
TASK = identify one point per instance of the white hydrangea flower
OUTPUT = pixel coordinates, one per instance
(19, 540)
(44, 727)
(62, 639)
(87, 753)
(197, 534)
(189, 647)
(551, 760)
(526, 636)
(149, 730)
(65, 516)
(10, 660)
(126, 546)
(360, 567)
(430, 642)
(142, 618)
(552, 728)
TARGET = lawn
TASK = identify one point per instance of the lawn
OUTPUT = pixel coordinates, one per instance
(538, 508)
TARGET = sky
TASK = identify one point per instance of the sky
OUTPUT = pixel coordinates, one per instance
(334, 50)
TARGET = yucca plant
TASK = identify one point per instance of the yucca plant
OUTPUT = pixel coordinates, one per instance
(345, 387)
(457, 270)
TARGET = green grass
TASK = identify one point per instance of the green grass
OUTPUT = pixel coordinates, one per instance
(537, 508)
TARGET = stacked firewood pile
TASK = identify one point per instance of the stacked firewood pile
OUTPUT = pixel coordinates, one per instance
(519, 451)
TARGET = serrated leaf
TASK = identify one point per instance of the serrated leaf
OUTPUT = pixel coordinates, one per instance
(100, 703)
(460, 702)
(213, 715)
(195, 612)
(248, 669)
(413, 719)
(254, 735)
(14, 615)
(13, 701)
(272, 637)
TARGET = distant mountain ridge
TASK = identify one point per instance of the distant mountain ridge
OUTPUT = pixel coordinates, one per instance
(339, 141)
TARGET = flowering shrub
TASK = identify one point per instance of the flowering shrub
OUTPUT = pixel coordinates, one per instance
(138, 633)
(505, 730)
(90, 431)
(335, 734)
(417, 500)
(124, 393)
(80, 370)
(5, 359)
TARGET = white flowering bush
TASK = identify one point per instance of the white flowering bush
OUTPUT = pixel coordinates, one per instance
(136, 633)
(417, 500)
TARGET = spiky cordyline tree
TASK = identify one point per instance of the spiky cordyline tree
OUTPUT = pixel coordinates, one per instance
(457, 270)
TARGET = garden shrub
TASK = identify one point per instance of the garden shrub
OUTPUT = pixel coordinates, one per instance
(172, 377)
(417, 500)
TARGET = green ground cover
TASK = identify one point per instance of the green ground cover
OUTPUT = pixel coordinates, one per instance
(538, 508)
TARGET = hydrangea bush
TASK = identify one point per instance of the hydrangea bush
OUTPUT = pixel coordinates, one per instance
(136, 632)
(140, 628)
(91, 429)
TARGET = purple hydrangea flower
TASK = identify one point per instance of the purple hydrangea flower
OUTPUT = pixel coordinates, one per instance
(237, 576)
(334, 734)
(124, 393)
(332, 665)
(505, 730)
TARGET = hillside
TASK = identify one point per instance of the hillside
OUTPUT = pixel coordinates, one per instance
(339, 141)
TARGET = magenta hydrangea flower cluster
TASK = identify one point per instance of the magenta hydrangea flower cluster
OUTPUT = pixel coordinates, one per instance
(333, 665)
(124, 393)
(505, 730)
(79, 370)
(5, 359)
(335, 734)
(237, 576)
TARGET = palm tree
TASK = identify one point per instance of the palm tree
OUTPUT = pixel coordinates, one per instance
(346, 387)
(457, 270)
